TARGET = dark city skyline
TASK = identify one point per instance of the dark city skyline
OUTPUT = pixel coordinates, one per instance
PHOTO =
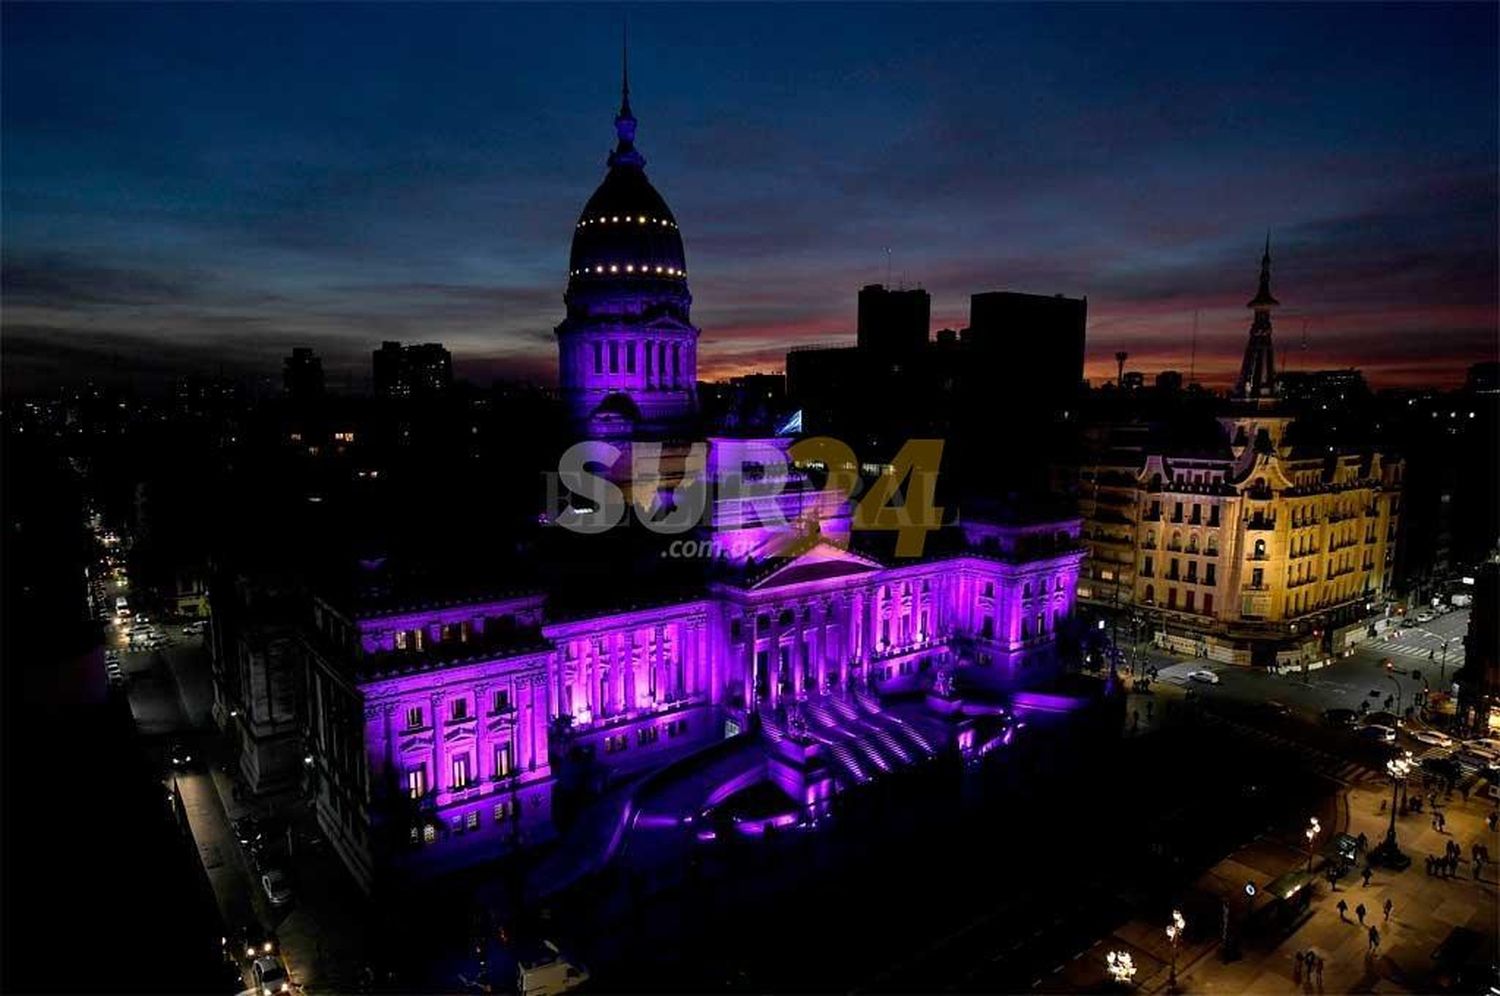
(199, 188)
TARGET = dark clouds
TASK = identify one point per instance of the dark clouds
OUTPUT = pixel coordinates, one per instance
(192, 187)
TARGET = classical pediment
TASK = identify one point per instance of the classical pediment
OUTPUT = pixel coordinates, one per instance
(821, 562)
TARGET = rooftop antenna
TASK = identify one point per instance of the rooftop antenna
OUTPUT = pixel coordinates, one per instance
(888, 266)
(1193, 354)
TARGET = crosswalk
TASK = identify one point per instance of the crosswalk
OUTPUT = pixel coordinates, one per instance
(1320, 762)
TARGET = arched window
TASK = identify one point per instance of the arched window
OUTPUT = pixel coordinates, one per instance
(1150, 595)
(1213, 545)
(1193, 543)
(1026, 590)
(1025, 628)
(1260, 549)
(1176, 539)
(1057, 583)
(1150, 537)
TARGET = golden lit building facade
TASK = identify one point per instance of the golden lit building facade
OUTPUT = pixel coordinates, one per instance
(1261, 550)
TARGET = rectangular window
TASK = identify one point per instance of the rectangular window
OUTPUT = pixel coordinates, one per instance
(414, 718)
(676, 361)
(630, 357)
(1208, 574)
(661, 358)
(416, 782)
(504, 760)
(1192, 597)
(429, 833)
(987, 628)
(471, 821)
(501, 702)
(1171, 598)
(598, 357)
(1208, 604)
(614, 357)
(1258, 578)
(461, 771)
(502, 812)
(460, 708)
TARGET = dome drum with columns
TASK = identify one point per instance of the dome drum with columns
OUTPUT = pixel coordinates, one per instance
(628, 348)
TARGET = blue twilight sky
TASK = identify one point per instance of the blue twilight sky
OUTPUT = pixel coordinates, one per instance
(203, 187)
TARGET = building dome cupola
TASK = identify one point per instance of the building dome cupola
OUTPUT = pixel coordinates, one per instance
(628, 334)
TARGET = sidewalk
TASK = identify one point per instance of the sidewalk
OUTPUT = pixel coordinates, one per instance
(1424, 910)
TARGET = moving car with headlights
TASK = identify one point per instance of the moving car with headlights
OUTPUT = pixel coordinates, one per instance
(1432, 738)
(1205, 676)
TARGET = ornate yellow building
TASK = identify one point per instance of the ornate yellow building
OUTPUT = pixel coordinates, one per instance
(1258, 551)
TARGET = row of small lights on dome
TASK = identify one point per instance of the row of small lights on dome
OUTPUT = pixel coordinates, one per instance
(666, 271)
(639, 220)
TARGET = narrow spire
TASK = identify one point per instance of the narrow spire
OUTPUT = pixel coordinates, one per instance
(625, 153)
(625, 68)
(1263, 298)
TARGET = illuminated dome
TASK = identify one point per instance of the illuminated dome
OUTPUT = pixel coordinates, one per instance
(627, 256)
(627, 350)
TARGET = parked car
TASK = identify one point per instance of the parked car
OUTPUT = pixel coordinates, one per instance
(1485, 743)
(1381, 718)
(1205, 676)
(1378, 733)
(542, 970)
(270, 976)
(1433, 738)
(277, 886)
(1425, 616)
(1340, 717)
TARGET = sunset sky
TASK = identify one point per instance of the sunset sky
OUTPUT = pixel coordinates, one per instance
(197, 188)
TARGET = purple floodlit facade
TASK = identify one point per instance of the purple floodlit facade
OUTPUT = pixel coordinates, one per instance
(436, 732)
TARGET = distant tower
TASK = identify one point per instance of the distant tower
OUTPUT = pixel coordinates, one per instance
(627, 350)
(1257, 380)
(1120, 359)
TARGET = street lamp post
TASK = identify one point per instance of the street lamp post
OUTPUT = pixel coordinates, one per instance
(1311, 833)
(1174, 935)
(1398, 769)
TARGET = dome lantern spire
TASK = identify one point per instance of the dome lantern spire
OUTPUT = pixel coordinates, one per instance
(625, 153)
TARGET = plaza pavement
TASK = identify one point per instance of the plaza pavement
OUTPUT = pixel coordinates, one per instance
(1424, 910)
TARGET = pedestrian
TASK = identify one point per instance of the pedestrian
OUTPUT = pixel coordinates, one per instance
(1476, 869)
(1318, 964)
(1374, 938)
(1366, 875)
(1361, 843)
(1343, 908)
(1431, 862)
(1387, 910)
(1494, 820)
(1297, 967)
(1360, 912)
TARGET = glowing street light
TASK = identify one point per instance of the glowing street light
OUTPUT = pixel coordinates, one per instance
(1174, 935)
(1398, 768)
(1121, 966)
(1312, 831)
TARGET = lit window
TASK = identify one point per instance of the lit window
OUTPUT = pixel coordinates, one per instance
(614, 219)
(414, 718)
(460, 708)
(472, 820)
(502, 811)
(429, 834)
(629, 268)
(642, 219)
(504, 760)
(461, 771)
(416, 782)
(613, 268)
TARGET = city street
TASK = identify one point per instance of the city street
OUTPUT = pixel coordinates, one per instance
(1343, 684)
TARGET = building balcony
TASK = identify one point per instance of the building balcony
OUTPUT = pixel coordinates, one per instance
(1261, 524)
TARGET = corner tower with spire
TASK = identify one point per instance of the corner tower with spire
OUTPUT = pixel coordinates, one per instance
(627, 349)
(1257, 380)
